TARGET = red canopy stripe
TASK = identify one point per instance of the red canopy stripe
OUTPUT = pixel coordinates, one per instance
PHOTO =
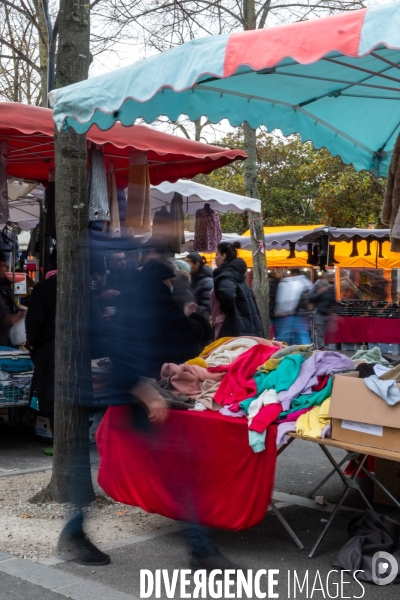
(29, 131)
(305, 42)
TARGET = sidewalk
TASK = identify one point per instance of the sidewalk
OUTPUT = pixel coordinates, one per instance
(266, 546)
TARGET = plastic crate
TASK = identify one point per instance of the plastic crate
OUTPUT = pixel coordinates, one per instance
(385, 348)
(350, 347)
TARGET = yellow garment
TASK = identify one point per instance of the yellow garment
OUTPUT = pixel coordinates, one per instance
(200, 362)
(208, 349)
(270, 365)
(313, 422)
(138, 209)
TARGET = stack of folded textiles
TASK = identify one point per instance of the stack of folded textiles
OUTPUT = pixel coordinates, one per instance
(265, 381)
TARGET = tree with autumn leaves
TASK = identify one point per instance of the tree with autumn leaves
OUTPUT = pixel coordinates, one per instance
(300, 185)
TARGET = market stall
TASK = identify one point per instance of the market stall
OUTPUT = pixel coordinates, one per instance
(28, 134)
(314, 77)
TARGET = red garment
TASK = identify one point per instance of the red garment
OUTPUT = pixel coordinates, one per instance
(352, 468)
(322, 383)
(294, 415)
(238, 383)
(267, 415)
(231, 486)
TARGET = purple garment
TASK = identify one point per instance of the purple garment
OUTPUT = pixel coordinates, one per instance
(283, 429)
(228, 413)
(326, 432)
(320, 363)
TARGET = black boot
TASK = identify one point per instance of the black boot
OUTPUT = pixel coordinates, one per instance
(215, 561)
(80, 549)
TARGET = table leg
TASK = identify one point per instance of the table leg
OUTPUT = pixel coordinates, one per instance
(379, 484)
(282, 448)
(286, 525)
(350, 483)
(330, 474)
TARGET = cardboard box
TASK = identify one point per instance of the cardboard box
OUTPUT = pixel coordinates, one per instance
(361, 417)
(388, 473)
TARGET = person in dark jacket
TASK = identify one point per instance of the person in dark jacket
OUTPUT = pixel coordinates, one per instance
(40, 327)
(162, 331)
(323, 298)
(202, 281)
(236, 300)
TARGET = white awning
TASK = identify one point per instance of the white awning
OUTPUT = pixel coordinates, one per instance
(195, 195)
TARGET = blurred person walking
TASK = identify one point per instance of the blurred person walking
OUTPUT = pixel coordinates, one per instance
(322, 296)
(293, 324)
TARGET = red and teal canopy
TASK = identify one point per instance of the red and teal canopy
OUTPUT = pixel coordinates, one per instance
(335, 81)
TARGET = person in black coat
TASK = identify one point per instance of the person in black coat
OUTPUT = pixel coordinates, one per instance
(159, 330)
(236, 299)
(202, 281)
(40, 326)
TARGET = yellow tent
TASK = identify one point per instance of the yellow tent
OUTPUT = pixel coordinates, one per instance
(278, 259)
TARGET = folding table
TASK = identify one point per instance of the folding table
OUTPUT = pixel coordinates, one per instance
(358, 454)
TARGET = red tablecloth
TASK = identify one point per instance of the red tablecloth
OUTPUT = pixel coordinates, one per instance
(363, 329)
(230, 485)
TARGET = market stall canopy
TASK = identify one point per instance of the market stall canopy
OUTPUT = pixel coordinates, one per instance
(334, 80)
(29, 131)
(195, 195)
(352, 248)
(281, 237)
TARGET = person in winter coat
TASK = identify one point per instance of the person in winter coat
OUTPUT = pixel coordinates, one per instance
(322, 296)
(202, 281)
(160, 328)
(40, 327)
(234, 309)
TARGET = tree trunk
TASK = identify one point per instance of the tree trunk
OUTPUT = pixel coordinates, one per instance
(43, 52)
(71, 479)
(256, 224)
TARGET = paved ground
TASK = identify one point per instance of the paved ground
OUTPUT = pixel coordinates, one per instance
(25, 452)
(266, 546)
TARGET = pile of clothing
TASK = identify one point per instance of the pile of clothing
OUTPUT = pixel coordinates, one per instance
(380, 376)
(16, 371)
(265, 381)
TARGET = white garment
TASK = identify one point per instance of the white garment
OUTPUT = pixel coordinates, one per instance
(289, 293)
(227, 353)
(267, 397)
(380, 370)
(206, 397)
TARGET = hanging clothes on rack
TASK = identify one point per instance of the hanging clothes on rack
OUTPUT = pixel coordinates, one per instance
(138, 210)
(162, 225)
(115, 225)
(207, 233)
(99, 209)
(177, 223)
